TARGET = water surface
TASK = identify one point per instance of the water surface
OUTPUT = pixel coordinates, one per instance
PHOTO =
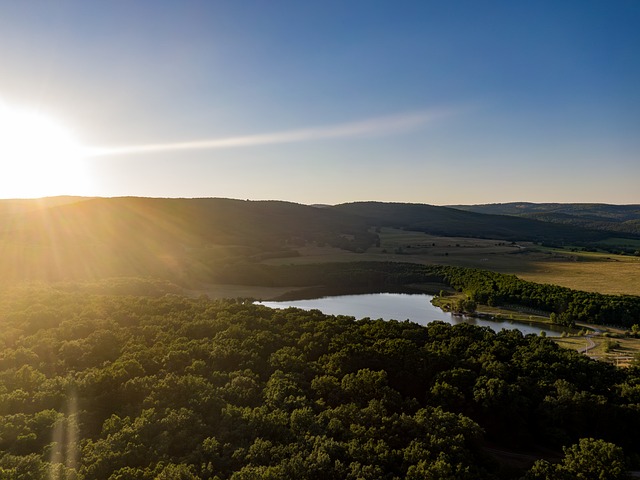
(400, 306)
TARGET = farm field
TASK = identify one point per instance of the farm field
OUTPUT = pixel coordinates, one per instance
(594, 272)
(604, 273)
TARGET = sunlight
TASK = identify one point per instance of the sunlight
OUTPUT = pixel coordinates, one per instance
(39, 156)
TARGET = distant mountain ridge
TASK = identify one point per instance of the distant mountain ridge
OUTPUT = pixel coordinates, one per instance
(624, 219)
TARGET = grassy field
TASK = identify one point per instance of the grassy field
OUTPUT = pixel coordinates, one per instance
(596, 272)
(604, 273)
(621, 355)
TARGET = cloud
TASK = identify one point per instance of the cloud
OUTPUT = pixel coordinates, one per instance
(369, 127)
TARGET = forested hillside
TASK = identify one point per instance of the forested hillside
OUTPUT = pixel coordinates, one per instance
(455, 222)
(101, 386)
(188, 240)
(180, 239)
(624, 219)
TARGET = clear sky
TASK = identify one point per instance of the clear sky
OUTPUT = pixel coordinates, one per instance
(434, 102)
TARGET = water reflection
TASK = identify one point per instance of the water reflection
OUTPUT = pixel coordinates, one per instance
(400, 306)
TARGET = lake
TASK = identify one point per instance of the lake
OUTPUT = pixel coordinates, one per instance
(400, 306)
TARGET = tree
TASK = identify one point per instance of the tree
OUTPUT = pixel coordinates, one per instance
(177, 472)
(589, 459)
(464, 305)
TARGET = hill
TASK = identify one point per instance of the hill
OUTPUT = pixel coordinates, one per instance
(102, 237)
(456, 222)
(15, 206)
(624, 219)
(187, 240)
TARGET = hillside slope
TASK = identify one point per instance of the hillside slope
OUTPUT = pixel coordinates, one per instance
(160, 237)
(624, 219)
(455, 222)
(74, 238)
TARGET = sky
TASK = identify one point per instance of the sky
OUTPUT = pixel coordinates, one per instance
(457, 102)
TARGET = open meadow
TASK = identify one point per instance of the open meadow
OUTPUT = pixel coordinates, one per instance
(619, 351)
(593, 272)
(589, 271)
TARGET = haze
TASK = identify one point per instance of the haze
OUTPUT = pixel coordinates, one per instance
(329, 102)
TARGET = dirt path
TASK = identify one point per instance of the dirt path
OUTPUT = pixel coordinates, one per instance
(590, 344)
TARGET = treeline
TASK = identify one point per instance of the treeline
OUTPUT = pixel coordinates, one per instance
(166, 387)
(453, 222)
(482, 286)
(569, 306)
(595, 216)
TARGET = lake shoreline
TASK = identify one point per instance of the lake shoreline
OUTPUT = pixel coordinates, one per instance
(407, 304)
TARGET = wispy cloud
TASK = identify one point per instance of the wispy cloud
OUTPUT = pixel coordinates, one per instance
(369, 127)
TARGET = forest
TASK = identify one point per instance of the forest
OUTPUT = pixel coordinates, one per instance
(100, 384)
(114, 367)
(439, 220)
(598, 216)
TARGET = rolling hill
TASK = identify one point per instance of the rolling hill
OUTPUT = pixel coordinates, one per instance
(75, 238)
(456, 222)
(179, 238)
(624, 219)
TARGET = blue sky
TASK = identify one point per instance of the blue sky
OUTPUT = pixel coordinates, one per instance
(336, 101)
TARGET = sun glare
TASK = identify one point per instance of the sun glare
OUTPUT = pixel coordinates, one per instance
(39, 156)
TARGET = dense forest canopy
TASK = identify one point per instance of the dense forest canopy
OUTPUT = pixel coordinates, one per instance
(105, 386)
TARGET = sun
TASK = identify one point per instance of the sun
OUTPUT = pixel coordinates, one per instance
(39, 156)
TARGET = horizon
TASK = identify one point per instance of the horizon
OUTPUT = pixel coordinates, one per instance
(329, 103)
(88, 197)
